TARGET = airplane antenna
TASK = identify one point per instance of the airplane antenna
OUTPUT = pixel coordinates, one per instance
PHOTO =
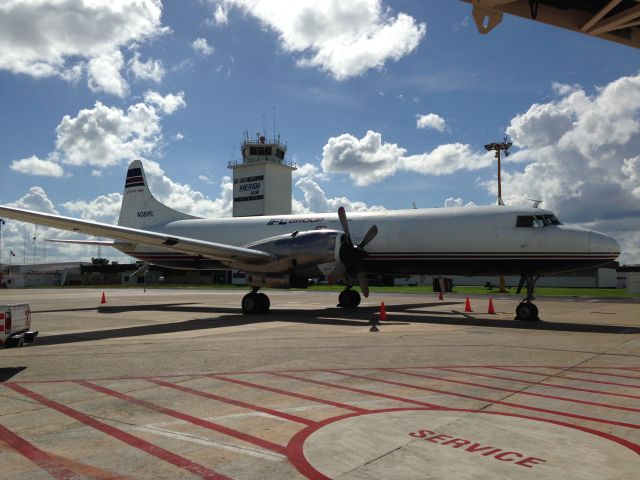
(414, 205)
(499, 147)
(535, 202)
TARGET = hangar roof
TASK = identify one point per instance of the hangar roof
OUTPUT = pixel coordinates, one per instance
(614, 20)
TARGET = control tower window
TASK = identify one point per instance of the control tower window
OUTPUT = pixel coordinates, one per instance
(260, 151)
(280, 153)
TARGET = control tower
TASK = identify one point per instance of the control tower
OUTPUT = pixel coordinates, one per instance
(262, 182)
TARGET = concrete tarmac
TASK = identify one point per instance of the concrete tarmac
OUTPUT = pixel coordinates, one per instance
(179, 384)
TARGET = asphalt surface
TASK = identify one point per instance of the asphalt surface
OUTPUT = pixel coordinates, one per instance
(179, 384)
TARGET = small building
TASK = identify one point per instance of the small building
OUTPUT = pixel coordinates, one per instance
(39, 275)
(629, 278)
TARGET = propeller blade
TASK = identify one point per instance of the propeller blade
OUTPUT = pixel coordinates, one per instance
(370, 235)
(342, 215)
(362, 281)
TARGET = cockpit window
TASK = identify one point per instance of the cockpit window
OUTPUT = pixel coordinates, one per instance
(536, 221)
(524, 221)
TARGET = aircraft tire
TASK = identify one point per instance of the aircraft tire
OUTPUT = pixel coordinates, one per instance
(527, 311)
(253, 303)
(349, 299)
(264, 302)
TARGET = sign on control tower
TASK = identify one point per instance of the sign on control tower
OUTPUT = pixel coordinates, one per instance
(262, 182)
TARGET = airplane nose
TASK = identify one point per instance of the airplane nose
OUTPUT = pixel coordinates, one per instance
(601, 243)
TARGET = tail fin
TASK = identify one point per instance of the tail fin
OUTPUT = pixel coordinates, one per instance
(139, 208)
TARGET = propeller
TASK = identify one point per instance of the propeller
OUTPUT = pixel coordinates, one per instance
(351, 255)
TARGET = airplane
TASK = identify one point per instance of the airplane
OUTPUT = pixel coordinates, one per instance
(284, 251)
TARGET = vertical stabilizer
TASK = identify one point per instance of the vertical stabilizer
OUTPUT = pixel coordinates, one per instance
(139, 208)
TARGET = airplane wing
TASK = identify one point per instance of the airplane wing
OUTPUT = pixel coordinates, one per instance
(102, 243)
(217, 251)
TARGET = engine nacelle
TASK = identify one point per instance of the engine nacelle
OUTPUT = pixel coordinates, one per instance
(297, 251)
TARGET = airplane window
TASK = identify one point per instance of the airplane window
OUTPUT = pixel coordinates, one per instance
(524, 221)
(551, 220)
(538, 222)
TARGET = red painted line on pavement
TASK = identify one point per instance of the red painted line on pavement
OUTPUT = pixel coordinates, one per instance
(200, 393)
(605, 374)
(123, 436)
(561, 375)
(41, 458)
(491, 401)
(358, 390)
(187, 418)
(541, 383)
(199, 374)
(290, 394)
(299, 460)
(510, 390)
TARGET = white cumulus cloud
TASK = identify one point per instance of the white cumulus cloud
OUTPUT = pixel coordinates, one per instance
(369, 159)
(366, 160)
(35, 166)
(105, 136)
(315, 200)
(168, 103)
(342, 38)
(431, 120)
(44, 38)
(457, 202)
(200, 45)
(104, 74)
(150, 70)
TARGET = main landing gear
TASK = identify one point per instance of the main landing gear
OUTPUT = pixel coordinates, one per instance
(254, 302)
(527, 310)
(349, 298)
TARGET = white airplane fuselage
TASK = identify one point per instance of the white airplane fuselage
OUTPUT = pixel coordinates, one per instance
(465, 240)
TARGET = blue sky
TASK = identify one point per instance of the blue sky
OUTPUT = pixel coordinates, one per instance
(382, 103)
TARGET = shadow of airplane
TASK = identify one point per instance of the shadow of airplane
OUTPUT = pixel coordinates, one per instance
(229, 317)
(9, 372)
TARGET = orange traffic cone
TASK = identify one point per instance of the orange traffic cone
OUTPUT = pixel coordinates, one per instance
(103, 299)
(491, 309)
(467, 306)
(440, 297)
(383, 312)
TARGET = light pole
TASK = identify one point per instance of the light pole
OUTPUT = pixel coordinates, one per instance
(498, 147)
(2, 222)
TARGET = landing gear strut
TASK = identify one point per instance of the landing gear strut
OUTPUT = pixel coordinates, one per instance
(527, 310)
(254, 302)
(348, 298)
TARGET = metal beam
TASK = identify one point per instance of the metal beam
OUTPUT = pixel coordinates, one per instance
(614, 22)
(600, 15)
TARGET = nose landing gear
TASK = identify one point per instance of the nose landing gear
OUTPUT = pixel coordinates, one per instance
(526, 310)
